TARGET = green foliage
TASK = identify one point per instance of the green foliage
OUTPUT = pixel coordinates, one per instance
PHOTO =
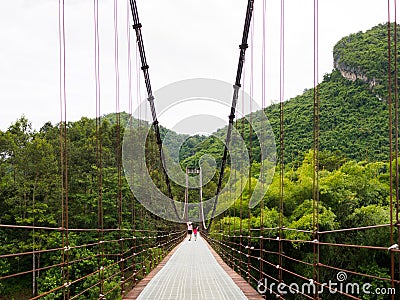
(374, 270)
(303, 218)
(4, 269)
(30, 195)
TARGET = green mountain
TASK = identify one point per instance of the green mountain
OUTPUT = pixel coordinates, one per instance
(364, 56)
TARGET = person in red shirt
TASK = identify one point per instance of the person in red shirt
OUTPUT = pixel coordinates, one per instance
(195, 230)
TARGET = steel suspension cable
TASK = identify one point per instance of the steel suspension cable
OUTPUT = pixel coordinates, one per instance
(139, 261)
(118, 149)
(390, 103)
(133, 245)
(241, 184)
(315, 184)
(243, 46)
(396, 124)
(99, 150)
(63, 149)
(150, 97)
(261, 263)
(281, 137)
(250, 144)
(128, 38)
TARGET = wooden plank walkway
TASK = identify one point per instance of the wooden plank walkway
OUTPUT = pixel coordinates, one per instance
(193, 271)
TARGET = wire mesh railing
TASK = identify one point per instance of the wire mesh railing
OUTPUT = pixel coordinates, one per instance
(87, 268)
(255, 254)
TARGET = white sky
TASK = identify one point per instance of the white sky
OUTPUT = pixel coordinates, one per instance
(183, 39)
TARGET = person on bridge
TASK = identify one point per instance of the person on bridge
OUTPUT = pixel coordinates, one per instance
(189, 229)
(195, 230)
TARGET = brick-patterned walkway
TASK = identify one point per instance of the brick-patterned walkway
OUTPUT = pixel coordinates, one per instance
(192, 272)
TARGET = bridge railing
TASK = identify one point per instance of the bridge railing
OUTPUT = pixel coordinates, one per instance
(79, 263)
(298, 265)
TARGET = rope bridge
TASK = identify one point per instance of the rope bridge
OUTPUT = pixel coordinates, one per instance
(107, 260)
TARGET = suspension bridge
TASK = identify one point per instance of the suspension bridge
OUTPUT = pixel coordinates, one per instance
(141, 250)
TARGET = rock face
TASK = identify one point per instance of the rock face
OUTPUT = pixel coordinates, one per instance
(365, 56)
(352, 73)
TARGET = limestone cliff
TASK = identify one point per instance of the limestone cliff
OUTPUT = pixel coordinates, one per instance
(353, 73)
(364, 56)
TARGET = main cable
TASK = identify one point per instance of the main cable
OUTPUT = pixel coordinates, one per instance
(243, 46)
(150, 97)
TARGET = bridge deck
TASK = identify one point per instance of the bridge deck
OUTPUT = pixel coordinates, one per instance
(194, 271)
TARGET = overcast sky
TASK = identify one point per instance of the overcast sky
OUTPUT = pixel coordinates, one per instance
(183, 39)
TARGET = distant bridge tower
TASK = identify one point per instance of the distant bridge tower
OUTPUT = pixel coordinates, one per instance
(186, 212)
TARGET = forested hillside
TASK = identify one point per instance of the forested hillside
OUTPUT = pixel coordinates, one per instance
(30, 195)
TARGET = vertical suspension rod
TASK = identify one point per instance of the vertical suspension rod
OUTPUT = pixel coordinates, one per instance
(243, 46)
(150, 97)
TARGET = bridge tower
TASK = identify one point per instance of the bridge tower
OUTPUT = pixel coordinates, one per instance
(186, 211)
